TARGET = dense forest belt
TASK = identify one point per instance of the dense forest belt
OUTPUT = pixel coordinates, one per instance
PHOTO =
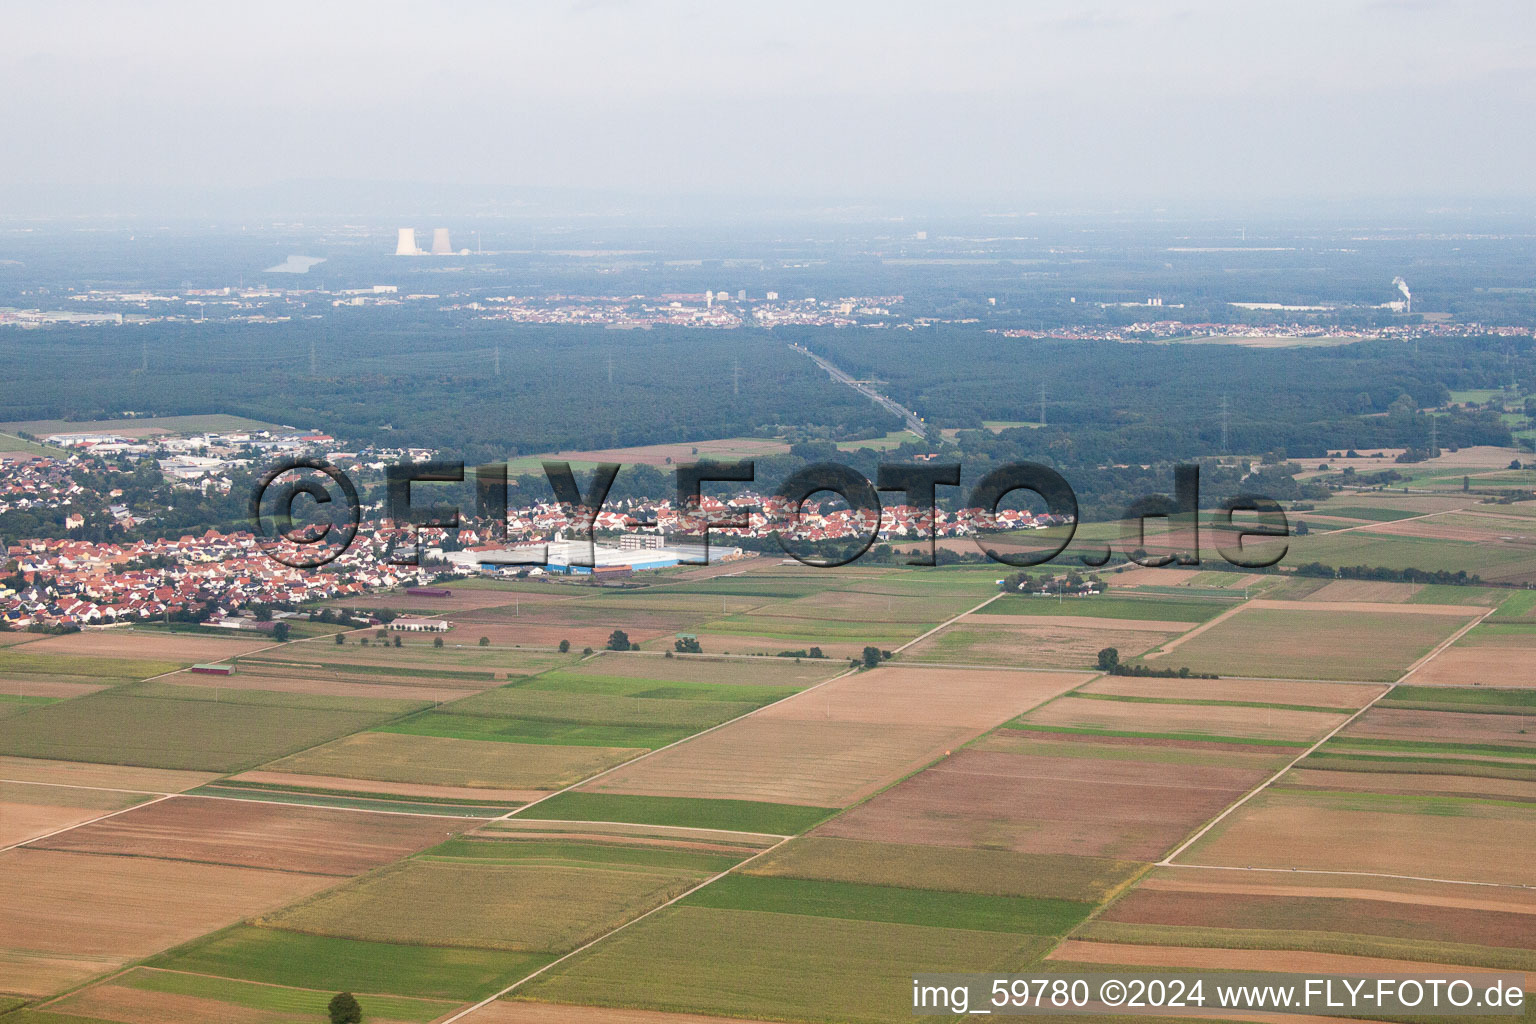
(1112, 402)
(388, 378)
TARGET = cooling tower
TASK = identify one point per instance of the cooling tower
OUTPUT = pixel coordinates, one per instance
(440, 244)
(406, 246)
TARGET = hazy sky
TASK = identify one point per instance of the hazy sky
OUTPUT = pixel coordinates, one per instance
(1014, 102)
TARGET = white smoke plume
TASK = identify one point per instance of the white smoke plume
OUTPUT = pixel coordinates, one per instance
(1402, 286)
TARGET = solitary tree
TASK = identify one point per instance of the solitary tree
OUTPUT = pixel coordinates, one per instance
(437, 641)
(1109, 659)
(565, 646)
(871, 657)
(485, 641)
(340, 640)
(618, 640)
(280, 632)
(343, 1009)
(397, 641)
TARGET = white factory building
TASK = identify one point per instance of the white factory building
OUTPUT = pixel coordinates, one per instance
(558, 554)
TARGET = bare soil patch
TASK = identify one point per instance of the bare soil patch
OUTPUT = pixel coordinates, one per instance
(511, 796)
(839, 742)
(80, 904)
(101, 776)
(1297, 912)
(27, 810)
(1056, 800)
(45, 687)
(1289, 883)
(1443, 727)
(510, 1012)
(1264, 691)
(1408, 783)
(258, 835)
(148, 645)
(1030, 643)
(1202, 719)
(1369, 591)
(441, 761)
(338, 684)
(1287, 960)
(1492, 662)
(1336, 832)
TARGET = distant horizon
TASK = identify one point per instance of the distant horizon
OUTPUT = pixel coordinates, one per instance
(1112, 105)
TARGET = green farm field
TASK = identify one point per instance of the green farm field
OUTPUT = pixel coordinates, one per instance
(275, 956)
(165, 726)
(774, 965)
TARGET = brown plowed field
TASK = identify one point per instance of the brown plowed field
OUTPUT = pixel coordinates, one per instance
(101, 776)
(840, 742)
(1364, 590)
(1504, 899)
(1443, 727)
(244, 833)
(148, 646)
(1333, 832)
(47, 688)
(511, 796)
(993, 640)
(507, 1012)
(1409, 783)
(1293, 961)
(1512, 665)
(1115, 806)
(81, 904)
(340, 684)
(27, 810)
(442, 761)
(1205, 719)
(1264, 691)
(1296, 912)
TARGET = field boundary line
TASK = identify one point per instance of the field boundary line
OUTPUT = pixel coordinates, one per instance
(1441, 647)
(1394, 522)
(272, 984)
(1168, 860)
(1201, 628)
(650, 753)
(950, 622)
(1351, 874)
(82, 824)
(100, 789)
(1261, 787)
(641, 824)
(327, 807)
(488, 1000)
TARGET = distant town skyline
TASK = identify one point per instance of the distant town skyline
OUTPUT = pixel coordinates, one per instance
(1116, 101)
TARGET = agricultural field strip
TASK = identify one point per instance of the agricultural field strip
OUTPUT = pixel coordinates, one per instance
(708, 881)
(488, 1000)
(82, 824)
(1394, 522)
(1201, 628)
(641, 757)
(592, 821)
(608, 771)
(1447, 642)
(1168, 862)
(951, 622)
(71, 785)
(1347, 874)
